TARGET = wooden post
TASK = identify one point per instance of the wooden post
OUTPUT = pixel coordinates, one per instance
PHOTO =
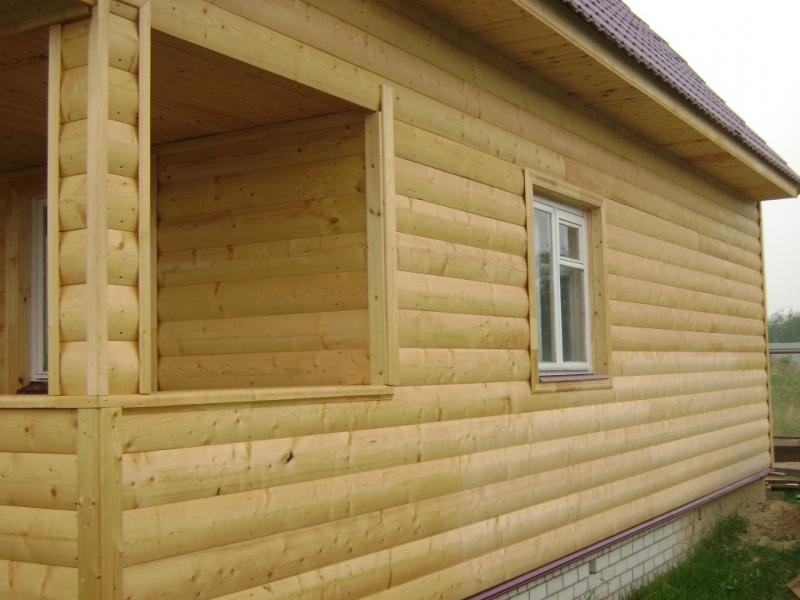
(98, 211)
(99, 504)
(53, 233)
(376, 247)
(98, 193)
(390, 233)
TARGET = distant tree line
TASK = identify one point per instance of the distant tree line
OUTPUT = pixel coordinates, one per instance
(784, 326)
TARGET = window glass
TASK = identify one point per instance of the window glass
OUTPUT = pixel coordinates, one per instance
(573, 323)
(544, 286)
(569, 240)
(562, 287)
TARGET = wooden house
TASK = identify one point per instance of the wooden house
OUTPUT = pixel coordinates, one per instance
(347, 298)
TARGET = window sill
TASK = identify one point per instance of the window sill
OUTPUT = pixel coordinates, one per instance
(570, 382)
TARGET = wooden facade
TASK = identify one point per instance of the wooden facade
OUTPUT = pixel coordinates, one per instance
(292, 336)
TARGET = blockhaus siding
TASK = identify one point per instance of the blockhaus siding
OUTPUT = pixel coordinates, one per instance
(463, 478)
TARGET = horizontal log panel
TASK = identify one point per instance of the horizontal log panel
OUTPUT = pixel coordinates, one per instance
(637, 387)
(633, 314)
(123, 44)
(39, 535)
(415, 180)
(429, 366)
(123, 312)
(657, 294)
(452, 126)
(256, 190)
(266, 369)
(300, 256)
(123, 95)
(234, 567)
(449, 294)
(678, 205)
(38, 480)
(152, 478)
(164, 428)
(122, 203)
(178, 528)
(526, 539)
(281, 295)
(429, 149)
(416, 482)
(423, 62)
(260, 150)
(26, 581)
(123, 367)
(123, 148)
(426, 329)
(35, 430)
(434, 257)
(417, 217)
(254, 515)
(655, 363)
(122, 258)
(280, 221)
(274, 333)
(652, 226)
(653, 271)
(644, 339)
(647, 247)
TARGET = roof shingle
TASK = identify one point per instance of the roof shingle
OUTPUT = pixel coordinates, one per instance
(617, 22)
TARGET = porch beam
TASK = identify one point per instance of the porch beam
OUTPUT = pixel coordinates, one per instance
(41, 14)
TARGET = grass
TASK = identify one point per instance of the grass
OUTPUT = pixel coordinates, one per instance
(725, 566)
(785, 385)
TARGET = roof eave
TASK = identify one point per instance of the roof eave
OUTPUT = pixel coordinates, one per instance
(767, 182)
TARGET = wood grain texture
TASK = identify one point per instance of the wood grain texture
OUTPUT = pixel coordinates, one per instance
(264, 271)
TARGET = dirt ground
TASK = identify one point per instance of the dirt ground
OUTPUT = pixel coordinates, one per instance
(774, 523)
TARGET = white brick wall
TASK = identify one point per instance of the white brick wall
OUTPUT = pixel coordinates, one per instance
(617, 570)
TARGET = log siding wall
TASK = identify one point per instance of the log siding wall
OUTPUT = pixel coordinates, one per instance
(38, 504)
(262, 258)
(464, 478)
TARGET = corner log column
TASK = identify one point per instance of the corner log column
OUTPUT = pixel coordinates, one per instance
(99, 252)
(99, 190)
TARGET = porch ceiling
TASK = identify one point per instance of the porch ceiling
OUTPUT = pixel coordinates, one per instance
(195, 92)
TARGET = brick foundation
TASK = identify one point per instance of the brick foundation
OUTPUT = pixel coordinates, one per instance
(618, 569)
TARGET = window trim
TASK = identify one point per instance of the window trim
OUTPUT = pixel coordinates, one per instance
(37, 329)
(593, 206)
(561, 213)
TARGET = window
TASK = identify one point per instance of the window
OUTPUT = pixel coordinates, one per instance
(567, 286)
(562, 288)
(38, 303)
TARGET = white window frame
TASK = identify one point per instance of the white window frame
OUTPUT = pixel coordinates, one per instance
(38, 287)
(560, 213)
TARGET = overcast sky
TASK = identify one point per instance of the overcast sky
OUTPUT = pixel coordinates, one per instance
(747, 52)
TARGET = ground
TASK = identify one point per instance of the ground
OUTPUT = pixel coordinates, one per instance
(751, 556)
(785, 384)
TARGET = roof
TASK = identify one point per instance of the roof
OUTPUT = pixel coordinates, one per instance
(618, 23)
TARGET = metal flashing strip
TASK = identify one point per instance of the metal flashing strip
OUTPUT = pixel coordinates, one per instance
(564, 561)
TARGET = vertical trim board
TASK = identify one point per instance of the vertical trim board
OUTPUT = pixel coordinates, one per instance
(53, 218)
(146, 289)
(376, 255)
(390, 233)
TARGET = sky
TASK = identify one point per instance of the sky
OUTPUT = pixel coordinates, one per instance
(747, 52)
